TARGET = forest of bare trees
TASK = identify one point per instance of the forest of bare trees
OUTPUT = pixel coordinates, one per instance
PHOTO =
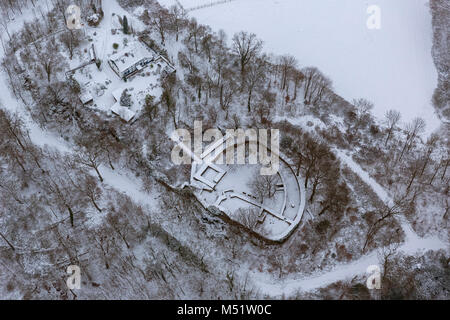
(61, 207)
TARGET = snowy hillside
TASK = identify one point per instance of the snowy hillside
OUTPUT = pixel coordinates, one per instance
(305, 175)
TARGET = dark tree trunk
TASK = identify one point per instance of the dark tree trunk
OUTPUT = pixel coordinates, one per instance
(249, 100)
(71, 215)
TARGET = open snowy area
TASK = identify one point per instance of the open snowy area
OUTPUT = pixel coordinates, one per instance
(392, 66)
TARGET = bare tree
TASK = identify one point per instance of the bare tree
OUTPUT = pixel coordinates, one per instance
(119, 223)
(90, 188)
(414, 168)
(444, 171)
(4, 20)
(177, 18)
(255, 77)
(431, 144)
(195, 33)
(363, 108)
(278, 260)
(413, 130)
(104, 242)
(385, 215)
(316, 85)
(61, 6)
(288, 64)
(7, 241)
(61, 185)
(247, 47)
(310, 74)
(322, 85)
(264, 107)
(298, 77)
(336, 198)
(16, 144)
(49, 59)
(386, 253)
(325, 171)
(248, 217)
(312, 151)
(219, 57)
(150, 107)
(227, 90)
(90, 156)
(71, 40)
(159, 20)
(264, 186)
(207, 44)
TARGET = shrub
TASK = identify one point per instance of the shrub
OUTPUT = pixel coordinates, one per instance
(115, 46)
(125, 99)
(323, 226)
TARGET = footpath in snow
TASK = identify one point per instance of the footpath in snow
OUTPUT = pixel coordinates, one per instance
(413, 242)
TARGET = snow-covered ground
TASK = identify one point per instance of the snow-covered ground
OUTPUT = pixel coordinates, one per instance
(392, 66)
(229, 188)
(413, 242)
(413, 245)
(126, 183)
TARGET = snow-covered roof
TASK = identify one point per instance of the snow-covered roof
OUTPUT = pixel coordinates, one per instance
(130, 56)
(123, 112)
(86, 97)
(117, 93)
(92, 52)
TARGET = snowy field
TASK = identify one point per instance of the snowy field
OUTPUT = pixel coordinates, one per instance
(392, 66)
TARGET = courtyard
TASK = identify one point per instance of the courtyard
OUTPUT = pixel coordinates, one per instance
(271, 206)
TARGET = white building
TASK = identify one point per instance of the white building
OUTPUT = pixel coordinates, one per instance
(126, 114)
